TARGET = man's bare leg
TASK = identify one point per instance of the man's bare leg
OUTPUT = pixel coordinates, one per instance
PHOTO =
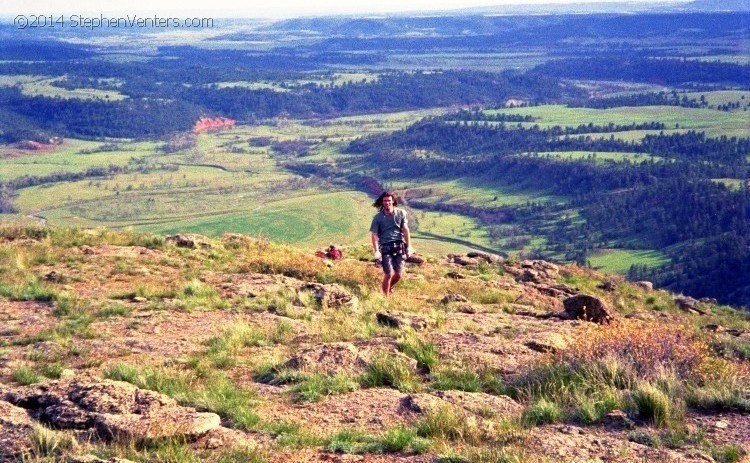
(386, 285)
(396, 277)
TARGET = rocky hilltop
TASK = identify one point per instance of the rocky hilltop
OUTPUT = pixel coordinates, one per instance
(116, 346)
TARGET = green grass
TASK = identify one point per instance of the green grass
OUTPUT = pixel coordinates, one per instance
(311, 221)
(314, 387)
(216, 393)
(722, 97)
(620, 260)
(599, 157)
(541, 412)
(713, 123)
(25, 376)
(42, 86)
(390, 372)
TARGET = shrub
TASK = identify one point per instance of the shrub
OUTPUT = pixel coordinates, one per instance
(25, 376)
(541, 412)
(48, 443)
(645, 348)
(424, 352)
(447, 423)
(392, 372)
(652, 404)
(731, 453)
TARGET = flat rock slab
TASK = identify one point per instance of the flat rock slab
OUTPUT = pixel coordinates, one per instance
(114, 409)
(329, 359)
(16, 427)
(505, 357)
(477, 403)
(345, 357)
(168, 422)
(371, 410)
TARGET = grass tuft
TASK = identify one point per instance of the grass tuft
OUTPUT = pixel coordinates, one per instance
(391, 372)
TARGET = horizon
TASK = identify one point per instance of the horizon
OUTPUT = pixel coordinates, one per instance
(288, 9)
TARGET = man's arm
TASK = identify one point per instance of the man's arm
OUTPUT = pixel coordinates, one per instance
(375, 247)
(407, 237)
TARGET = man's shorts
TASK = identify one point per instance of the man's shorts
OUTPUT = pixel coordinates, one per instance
(393, 263)
(393, 257)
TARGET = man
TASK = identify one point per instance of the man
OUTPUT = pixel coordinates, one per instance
(391, 242)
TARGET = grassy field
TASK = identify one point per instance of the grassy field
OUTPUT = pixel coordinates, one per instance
(722, 97)
(224, 185)
(42, 86)
(620, 260)
(714, 123)
(600, 157)
(334, 80)
(495, 62)
(465, 191)
(71, 156)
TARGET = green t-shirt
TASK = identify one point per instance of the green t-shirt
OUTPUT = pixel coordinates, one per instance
(388, 227)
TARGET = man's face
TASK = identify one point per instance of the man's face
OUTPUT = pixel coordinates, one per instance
(388, 203)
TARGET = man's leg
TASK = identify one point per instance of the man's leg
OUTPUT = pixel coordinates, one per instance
(398, 266)
(387, 274)
(386, 285)
(394, 279)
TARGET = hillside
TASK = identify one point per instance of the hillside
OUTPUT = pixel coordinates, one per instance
(117, 345)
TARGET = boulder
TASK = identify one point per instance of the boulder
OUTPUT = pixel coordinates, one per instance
(585, 307)
(465, 261)
(332, 296)
(555, 290)
(329, 359)
(617, 419)
(485, 256)
(448, 298)
(400, 320)
(644, 285)
(688, 304)
(415, 259)
(188, 241)
(548, 342)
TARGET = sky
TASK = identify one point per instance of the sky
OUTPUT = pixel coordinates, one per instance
(254, 9)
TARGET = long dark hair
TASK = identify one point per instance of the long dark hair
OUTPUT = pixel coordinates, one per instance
(379, 202)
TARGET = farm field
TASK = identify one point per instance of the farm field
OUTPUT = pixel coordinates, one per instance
(42, 86)
(713, 122)
(620, 260)
(71, 156)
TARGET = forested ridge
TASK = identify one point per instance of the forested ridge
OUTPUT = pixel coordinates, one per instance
(667, 202)
(678, 191)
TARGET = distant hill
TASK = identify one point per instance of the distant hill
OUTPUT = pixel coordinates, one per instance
(719, 5)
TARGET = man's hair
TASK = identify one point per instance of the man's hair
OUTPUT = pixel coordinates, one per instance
(379, 202)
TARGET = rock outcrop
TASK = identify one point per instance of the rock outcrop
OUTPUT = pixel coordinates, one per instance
(114, 409)
(585, 307)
